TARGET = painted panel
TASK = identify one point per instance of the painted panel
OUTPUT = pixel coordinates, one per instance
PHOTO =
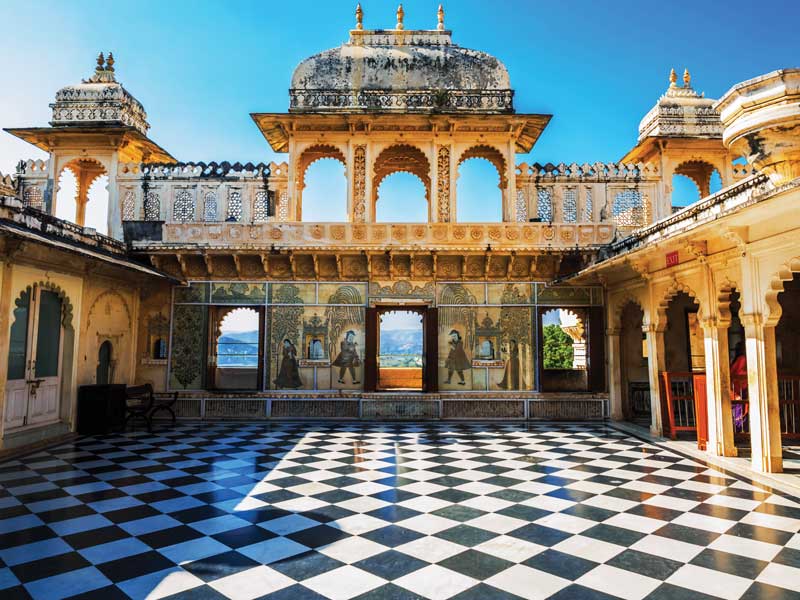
(509, 293)
(194, 292)
(349, 293)
(293, 293)
(460, 293)
(187, 358)
(238, 293)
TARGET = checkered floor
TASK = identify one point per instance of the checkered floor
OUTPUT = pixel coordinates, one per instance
(395, 511)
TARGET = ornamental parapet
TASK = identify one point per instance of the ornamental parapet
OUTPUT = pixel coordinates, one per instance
(598, 171)
(421, 236)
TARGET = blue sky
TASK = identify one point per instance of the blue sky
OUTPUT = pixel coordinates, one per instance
(201, 67)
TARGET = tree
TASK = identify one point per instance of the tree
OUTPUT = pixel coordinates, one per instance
(557, 348)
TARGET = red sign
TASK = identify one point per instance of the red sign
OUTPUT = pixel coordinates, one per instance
(672, 258)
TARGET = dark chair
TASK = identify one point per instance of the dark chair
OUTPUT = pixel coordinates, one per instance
(139, 404)
(165, 402)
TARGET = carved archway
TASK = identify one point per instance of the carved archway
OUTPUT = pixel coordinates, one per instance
(785, 273)
(308, 157)
(86, 172)
(699, 172)
(676, 288)
(401, 158)
(491, 154)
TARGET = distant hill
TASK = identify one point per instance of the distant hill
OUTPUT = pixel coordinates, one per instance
(238, 349)
(401, 341)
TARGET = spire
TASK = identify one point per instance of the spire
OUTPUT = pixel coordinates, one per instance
(359, 17)
(672, 78)
(687, 79)
(100, 61)
(440, 16)
(400, 15)
(104, 71)
(110, 62)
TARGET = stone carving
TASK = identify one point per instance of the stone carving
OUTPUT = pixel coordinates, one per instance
(359, 183)
(443, 183)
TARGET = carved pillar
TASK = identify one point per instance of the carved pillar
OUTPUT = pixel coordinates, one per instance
(718, 388)
(655, 366)
(444, 185)
(615, 392)
(357, 183)
(762, 389)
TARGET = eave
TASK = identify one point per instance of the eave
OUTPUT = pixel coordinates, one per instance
(135, 146)
(277, 128)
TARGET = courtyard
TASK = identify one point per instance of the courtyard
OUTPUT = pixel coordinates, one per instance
(397, 510)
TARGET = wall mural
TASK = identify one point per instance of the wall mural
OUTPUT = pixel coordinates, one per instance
(315, 331)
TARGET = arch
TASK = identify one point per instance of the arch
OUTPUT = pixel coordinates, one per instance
(76, 188)
(700, 172)
(674, 289)
(319, 191)
(493, 155)
(784, 273)
(105, 362)
(619, 307)
(401, 158)
(471, 178)
(105, 294)
(402, 199)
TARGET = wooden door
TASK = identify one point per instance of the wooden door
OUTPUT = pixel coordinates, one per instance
(430, 382)
(371, 349)
(34, 363)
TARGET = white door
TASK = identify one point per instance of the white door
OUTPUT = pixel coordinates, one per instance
(34, 361)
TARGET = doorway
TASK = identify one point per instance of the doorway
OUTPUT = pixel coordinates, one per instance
(236, 348)
(104, 362)
(34, 359)
(401, 347)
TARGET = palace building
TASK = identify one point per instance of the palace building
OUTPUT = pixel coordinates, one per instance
(592, 297)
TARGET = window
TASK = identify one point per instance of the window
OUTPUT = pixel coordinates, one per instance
(261, 206)
(183, 209)
(570, 206)
(152, 207)
(129, 206)
(629, 209)
(234, 206)
(544, 209)
(33, 197)
(210, 207)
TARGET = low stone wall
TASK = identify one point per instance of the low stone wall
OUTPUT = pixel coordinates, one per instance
(402, 406)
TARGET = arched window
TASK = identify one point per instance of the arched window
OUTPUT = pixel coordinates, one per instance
(478, 193)
(325, 191)
(630, 208)
(183, 208)
(693, 180)
(544, 204)
(152, 207)
(480, 185)
(129, 205)
(210, 207)
(160, 349)
(261, 207)
(234, 207)
(82, 195)
(104, 363)
(401, 199)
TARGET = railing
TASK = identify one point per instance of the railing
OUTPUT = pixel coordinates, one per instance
(789, 399)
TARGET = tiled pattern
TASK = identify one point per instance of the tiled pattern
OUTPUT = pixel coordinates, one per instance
(392, 511)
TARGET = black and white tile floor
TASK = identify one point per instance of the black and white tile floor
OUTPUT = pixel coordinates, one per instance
(396, 511)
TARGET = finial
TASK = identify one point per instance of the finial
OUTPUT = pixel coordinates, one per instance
(672, 78)
(400, 15)
(110, 62)
(359, 17)
(687, 79)
(100, 60)
(440, 15)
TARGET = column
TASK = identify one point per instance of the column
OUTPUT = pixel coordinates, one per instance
(762, 389)
(615, 392)
(718, 388)
(655, 366)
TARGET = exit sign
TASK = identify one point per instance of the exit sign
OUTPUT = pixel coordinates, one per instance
(672, 258)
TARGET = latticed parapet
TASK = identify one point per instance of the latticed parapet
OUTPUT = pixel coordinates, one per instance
(615, 193)
(203, 192)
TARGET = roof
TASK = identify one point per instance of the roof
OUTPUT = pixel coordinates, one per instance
(277, 128)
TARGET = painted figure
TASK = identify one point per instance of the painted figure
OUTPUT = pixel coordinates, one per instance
(288, 375)
(348, 360)
(512, 379)
(457, 360)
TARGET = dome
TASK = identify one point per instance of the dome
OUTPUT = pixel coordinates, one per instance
(681, 112)
(399, 70)
(97, 101)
